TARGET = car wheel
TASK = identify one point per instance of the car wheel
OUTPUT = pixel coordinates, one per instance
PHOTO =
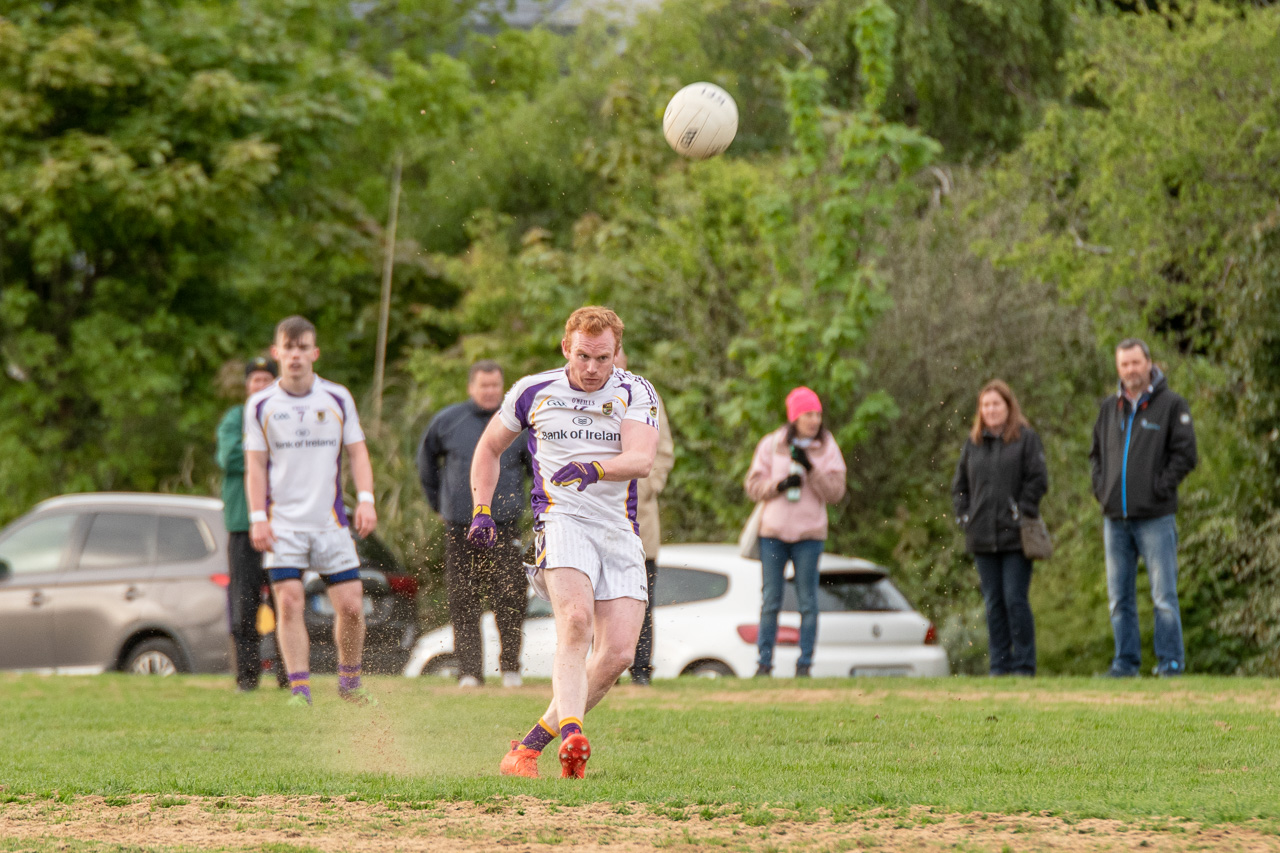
(157, 656)
(443, 666)
(708, 669)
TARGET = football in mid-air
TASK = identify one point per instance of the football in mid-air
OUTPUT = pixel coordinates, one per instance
(701, 120)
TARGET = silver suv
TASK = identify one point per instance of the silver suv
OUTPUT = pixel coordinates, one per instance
(114, 581)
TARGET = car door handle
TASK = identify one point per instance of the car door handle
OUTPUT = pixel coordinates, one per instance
(131, 593)
(38, 598)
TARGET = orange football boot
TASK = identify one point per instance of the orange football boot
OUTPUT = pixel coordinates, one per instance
(520, 762)
(574, 752)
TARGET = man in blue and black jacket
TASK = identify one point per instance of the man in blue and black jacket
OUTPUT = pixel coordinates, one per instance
(1143, 446)
(444, 468)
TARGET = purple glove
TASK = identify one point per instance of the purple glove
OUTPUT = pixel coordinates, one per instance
(582, 474)
(483, 533)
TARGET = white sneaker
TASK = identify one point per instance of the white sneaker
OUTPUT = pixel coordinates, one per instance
(511, 679)
(468, 681)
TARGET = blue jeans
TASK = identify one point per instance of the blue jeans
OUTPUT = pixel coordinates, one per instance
(1156, 541)
(774, 555)
(1011, 629)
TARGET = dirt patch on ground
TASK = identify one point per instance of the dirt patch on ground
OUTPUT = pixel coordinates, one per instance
(528, 824)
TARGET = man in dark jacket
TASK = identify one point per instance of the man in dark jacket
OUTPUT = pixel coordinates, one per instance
(1143, 446)
(444, 466)
(244, 591)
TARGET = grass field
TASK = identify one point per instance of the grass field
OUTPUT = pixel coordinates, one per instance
(123, 763)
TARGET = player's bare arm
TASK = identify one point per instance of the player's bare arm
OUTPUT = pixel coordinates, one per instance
(362, 472)
(255, 492)
(485, 467)
(639, 448)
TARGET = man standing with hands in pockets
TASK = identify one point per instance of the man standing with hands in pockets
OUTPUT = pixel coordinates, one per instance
(593, 429)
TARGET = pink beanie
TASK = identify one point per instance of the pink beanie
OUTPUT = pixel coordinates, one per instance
(802, 400)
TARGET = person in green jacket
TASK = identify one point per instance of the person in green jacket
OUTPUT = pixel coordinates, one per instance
(247, 577)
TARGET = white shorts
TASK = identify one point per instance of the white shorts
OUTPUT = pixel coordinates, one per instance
(322, 551)
(611, 557)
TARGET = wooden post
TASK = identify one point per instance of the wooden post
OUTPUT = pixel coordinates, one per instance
(384, 308)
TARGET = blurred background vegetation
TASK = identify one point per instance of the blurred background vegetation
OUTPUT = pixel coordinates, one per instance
(921, 196)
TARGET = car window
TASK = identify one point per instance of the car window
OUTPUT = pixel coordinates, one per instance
(844, 593)
(119, 539)
(681, 586)
(182, 539)
(38, 546)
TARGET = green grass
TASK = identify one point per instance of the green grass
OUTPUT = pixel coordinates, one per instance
(1200, 748)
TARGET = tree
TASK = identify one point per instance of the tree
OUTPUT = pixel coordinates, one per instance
(147, 149)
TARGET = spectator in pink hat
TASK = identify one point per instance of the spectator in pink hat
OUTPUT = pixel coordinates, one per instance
(796, 471)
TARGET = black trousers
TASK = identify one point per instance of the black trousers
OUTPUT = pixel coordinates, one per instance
(473, 574)
(1011, 629)
(244, 594)
(643, 663)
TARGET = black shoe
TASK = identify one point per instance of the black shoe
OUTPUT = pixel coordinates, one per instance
(763, 671)
(640, 679)
(802, 671)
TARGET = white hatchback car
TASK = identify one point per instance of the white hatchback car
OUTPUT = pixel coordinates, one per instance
(706, 619)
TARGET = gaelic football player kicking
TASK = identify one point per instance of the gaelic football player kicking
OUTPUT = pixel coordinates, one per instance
(294, 432)
(593, 429)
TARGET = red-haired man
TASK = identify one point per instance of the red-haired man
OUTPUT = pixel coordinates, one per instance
(593, 430)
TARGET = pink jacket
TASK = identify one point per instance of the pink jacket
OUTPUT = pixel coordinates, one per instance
(806, 518)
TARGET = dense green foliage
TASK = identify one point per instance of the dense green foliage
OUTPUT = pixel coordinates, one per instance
(921, 197)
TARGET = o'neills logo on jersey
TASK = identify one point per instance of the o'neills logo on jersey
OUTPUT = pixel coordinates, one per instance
(578, 435)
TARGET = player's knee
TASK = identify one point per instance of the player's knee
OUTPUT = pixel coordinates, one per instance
(577, 624)
(289, 600)
(349, 610)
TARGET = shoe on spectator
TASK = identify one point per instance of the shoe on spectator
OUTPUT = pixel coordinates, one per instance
(763, 671)
(641, 679)
(802, 671)
(511, 679)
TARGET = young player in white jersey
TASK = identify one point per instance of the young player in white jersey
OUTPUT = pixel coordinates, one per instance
(593, 429)
(295, 430)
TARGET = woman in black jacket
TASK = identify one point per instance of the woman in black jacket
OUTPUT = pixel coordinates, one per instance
(1000, 480)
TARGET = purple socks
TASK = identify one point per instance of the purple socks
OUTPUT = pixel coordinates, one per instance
(300, 683)
(348, 678)
(538, 737)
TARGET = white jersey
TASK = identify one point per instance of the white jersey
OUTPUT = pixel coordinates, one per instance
(567, 425)
(303, 436)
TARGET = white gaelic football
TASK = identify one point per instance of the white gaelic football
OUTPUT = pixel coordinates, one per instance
(700, 121)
